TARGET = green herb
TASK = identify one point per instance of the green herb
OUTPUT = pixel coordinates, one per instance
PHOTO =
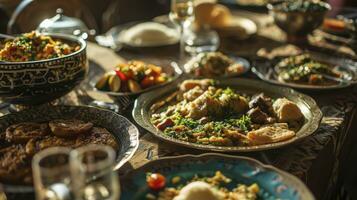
(188, 122)
(243, 122)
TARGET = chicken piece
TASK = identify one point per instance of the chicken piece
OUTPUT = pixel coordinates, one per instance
(263, 102)
(190, 84)
(238, 104)
(193, 94)
(205, 105)
(287, 111)
(270, 134)
(22, 132)
(69, 128)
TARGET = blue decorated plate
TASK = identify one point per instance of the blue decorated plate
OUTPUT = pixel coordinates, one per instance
(273, 183)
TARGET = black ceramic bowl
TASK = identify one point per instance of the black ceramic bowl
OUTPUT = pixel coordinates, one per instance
(297, 23)
(37, 82)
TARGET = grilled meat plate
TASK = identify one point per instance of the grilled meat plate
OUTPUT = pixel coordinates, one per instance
(69, 128)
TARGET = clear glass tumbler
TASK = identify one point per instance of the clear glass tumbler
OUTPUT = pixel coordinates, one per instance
(51, 172)
(93, 177)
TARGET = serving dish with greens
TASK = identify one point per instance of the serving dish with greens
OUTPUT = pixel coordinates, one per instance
(309, 70)
(227, 115)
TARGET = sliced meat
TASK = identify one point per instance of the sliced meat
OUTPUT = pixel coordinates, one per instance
(97, 136)
(287, 111)
(270, 134)
(51, 141)
(23, 132)
(14, 164)
(69, 128)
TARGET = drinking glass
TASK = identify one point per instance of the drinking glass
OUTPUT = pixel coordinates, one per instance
(201, 39)
(93, 177)
(51, 174)
(182, 14)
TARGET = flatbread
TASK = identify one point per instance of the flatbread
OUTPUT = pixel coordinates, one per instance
(270, 134)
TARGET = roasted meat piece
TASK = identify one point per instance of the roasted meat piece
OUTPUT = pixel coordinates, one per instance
(97, 136)
(263, 102)
(14, 162)
(23, 132)
(257, 115)
(52, 141)
(69, 128)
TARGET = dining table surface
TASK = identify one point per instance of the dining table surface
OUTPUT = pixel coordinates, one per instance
(316, 160)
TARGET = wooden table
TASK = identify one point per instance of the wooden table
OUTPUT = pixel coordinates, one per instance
(316, 160)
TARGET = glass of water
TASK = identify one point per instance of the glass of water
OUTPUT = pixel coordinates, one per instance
(51, 172)
(93, 177)
(201, 39)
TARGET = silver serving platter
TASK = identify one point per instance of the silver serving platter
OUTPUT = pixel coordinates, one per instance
(121, 128)
(142, 112)
(266, 71)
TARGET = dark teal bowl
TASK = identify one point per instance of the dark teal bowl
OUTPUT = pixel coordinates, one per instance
(273, 183)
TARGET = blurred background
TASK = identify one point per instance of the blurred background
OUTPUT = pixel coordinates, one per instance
(24, 15)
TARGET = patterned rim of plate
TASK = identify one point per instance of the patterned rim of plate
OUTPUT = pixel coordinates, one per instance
(126, 152)
(313, 115)
(164, 162)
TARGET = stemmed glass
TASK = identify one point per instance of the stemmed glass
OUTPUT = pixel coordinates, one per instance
(93, 177)
(182, 14)
(51, 172)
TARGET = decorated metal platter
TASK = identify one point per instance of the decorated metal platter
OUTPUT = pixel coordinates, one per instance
(108, 128)
(311, 71)
(264, 181)
(188, 124)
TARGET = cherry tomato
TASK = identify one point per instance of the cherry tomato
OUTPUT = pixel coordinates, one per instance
(156, 181)
(147, 81)
(129, 74)
(121, 75)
